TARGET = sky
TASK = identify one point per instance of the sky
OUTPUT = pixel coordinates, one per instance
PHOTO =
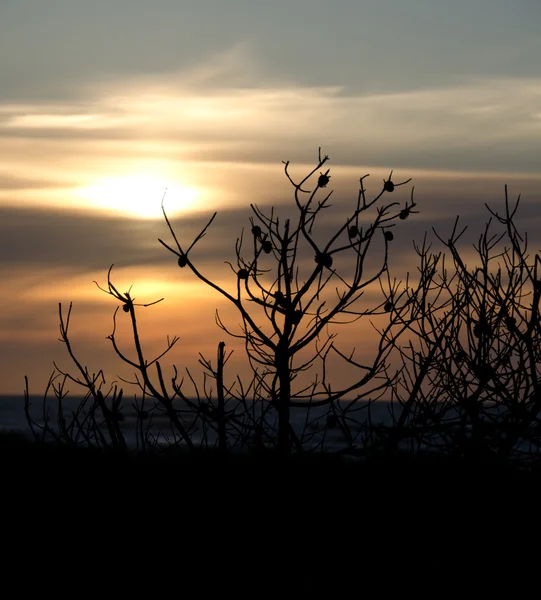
(106, 105)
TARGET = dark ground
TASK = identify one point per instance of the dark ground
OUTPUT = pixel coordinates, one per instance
(254, 526)
(19, 454)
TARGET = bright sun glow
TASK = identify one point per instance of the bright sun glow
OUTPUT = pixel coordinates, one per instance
(139, 196)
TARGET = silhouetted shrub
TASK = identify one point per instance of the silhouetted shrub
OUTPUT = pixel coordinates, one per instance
(467, 341)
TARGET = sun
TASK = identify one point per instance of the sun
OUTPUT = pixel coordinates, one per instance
(139, 195)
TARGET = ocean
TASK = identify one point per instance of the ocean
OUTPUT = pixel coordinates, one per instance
(345, 425)
(316, 428)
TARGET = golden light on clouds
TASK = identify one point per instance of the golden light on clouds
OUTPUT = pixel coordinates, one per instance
(139, 195)
(220, 147)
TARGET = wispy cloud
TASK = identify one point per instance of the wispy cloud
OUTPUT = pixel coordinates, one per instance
(483, 124)
(219, 127)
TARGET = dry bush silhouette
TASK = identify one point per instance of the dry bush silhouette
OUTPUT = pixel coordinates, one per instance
(457, 354)
(470, 378)
(286, 308)
(293, 278)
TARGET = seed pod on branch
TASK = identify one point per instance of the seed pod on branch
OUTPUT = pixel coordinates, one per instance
(353, 231)
(182, 261)
(323, 259)
(297, 317)
(388, 186)
(323, 179)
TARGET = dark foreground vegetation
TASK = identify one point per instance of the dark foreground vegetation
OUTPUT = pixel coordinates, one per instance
(458, 354)
(248, 524)
(20, 452)
(236, 500)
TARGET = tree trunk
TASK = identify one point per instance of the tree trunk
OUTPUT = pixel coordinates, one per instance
(283, 402)
(222, 434)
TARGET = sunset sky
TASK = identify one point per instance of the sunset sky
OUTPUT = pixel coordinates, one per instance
(106, 104)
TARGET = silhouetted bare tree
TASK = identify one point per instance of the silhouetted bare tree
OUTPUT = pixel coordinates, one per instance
(285, 303)
(458, 351)
(470, 385)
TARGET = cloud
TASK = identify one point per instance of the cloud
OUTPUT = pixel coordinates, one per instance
(211, 127)
(51, 256)
(213, 112)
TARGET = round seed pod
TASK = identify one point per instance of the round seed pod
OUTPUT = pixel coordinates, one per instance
(404, 214)
(388, 186)
(242, 274)
(353, 231)
(323, 180)
(388, 306)
(510, 322)
(267, 247)
(126, 308)
(256, 231)
(297, 317)
(389, 236)
(182, 261)
(481, 328)
(460, 356)
(279, 297)
(324, 259)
